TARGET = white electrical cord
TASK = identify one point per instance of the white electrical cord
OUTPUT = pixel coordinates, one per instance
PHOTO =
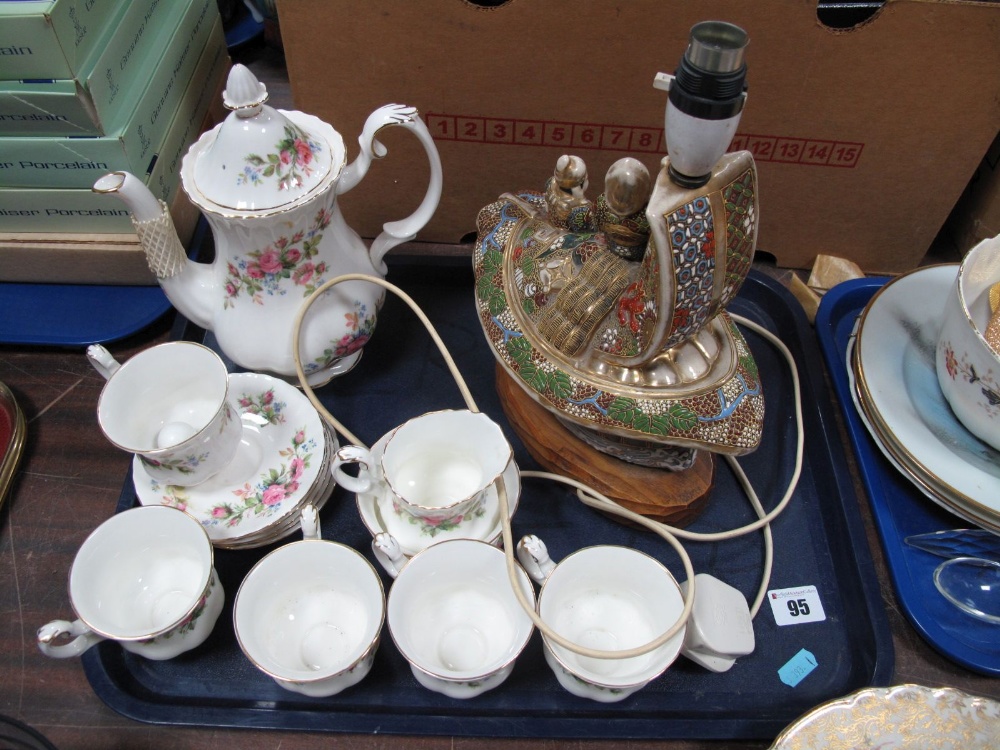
(587, 494)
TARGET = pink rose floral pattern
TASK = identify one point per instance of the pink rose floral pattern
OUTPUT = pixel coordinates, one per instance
(265, 272)
(264, 405)
(360, 325)
(433, 526)
(291, 160)
(272, 488)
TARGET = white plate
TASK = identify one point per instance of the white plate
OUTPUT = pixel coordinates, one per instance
(280, 456)
(378, 514)
(896, 383)
(904, 716)
(898, 456)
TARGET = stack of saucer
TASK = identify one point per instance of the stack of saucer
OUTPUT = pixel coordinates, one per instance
(895, 389)
(282, 464)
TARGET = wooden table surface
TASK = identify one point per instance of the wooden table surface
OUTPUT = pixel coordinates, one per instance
(69, 481)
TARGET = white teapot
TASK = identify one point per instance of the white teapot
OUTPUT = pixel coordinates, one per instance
(267, 180)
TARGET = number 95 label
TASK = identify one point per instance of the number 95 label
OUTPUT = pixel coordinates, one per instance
(796, 605)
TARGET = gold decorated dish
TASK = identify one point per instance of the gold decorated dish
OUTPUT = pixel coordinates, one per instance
(902, 716)
(12, 431)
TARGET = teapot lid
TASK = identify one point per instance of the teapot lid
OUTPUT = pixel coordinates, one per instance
(261, 158)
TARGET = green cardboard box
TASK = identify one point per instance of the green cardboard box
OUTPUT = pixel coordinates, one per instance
(80, 210)
(101, 97)
(51, 38)
(61, 162)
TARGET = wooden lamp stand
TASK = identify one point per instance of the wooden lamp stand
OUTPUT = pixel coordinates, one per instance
(673, 497)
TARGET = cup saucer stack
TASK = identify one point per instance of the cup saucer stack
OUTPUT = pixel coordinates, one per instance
(282, 464)
(895, 388)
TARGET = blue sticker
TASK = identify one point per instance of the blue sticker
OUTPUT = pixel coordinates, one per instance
(797, 668)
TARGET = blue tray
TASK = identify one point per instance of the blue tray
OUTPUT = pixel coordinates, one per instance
(76, 314)
(820, 540)
(899, 508)
(82, 314)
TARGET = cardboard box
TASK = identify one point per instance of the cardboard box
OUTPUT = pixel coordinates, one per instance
(864, 138)
(59, 162)
(977, 214)
(75, 249)
(102, 95)
(50, 38)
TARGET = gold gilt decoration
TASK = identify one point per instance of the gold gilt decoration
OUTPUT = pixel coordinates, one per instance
(897, 718)
(992, 334)
(569, 323)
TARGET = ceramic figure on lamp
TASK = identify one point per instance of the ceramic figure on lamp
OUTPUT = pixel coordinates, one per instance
(620, 213)
(565, 193)
(612, 315)
(267, 180)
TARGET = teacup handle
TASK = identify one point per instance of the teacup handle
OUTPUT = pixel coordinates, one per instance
(534, 558)
(404, 230)
(309, 521)
(102, 360)
(84, 638)
(388, 553)
(353, 454)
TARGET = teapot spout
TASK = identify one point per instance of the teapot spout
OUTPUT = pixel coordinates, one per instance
(188, 285)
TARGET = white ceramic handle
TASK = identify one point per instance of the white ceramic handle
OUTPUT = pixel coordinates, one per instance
(534, 558)
(353, 454)
(102, 360)
(309, 521)
(388, 553)
(84, 638)
(404, 230)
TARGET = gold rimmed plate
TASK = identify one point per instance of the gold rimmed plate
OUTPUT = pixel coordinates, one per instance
(902, 462)
(12, 434)
(896, 391)
(901, 716)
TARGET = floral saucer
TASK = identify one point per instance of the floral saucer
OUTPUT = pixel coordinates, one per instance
(283, 448)
(290, 523)
(380, 514)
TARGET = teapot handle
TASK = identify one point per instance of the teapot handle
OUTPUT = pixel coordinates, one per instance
(404, 230)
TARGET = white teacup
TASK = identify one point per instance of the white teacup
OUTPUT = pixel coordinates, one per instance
(145, 579)
(607, 598)
(454, 617)
(968, 369)
(437, 466)
(310, 614)
(168, 405)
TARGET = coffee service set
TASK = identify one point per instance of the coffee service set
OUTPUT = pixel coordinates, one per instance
(226, 461)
